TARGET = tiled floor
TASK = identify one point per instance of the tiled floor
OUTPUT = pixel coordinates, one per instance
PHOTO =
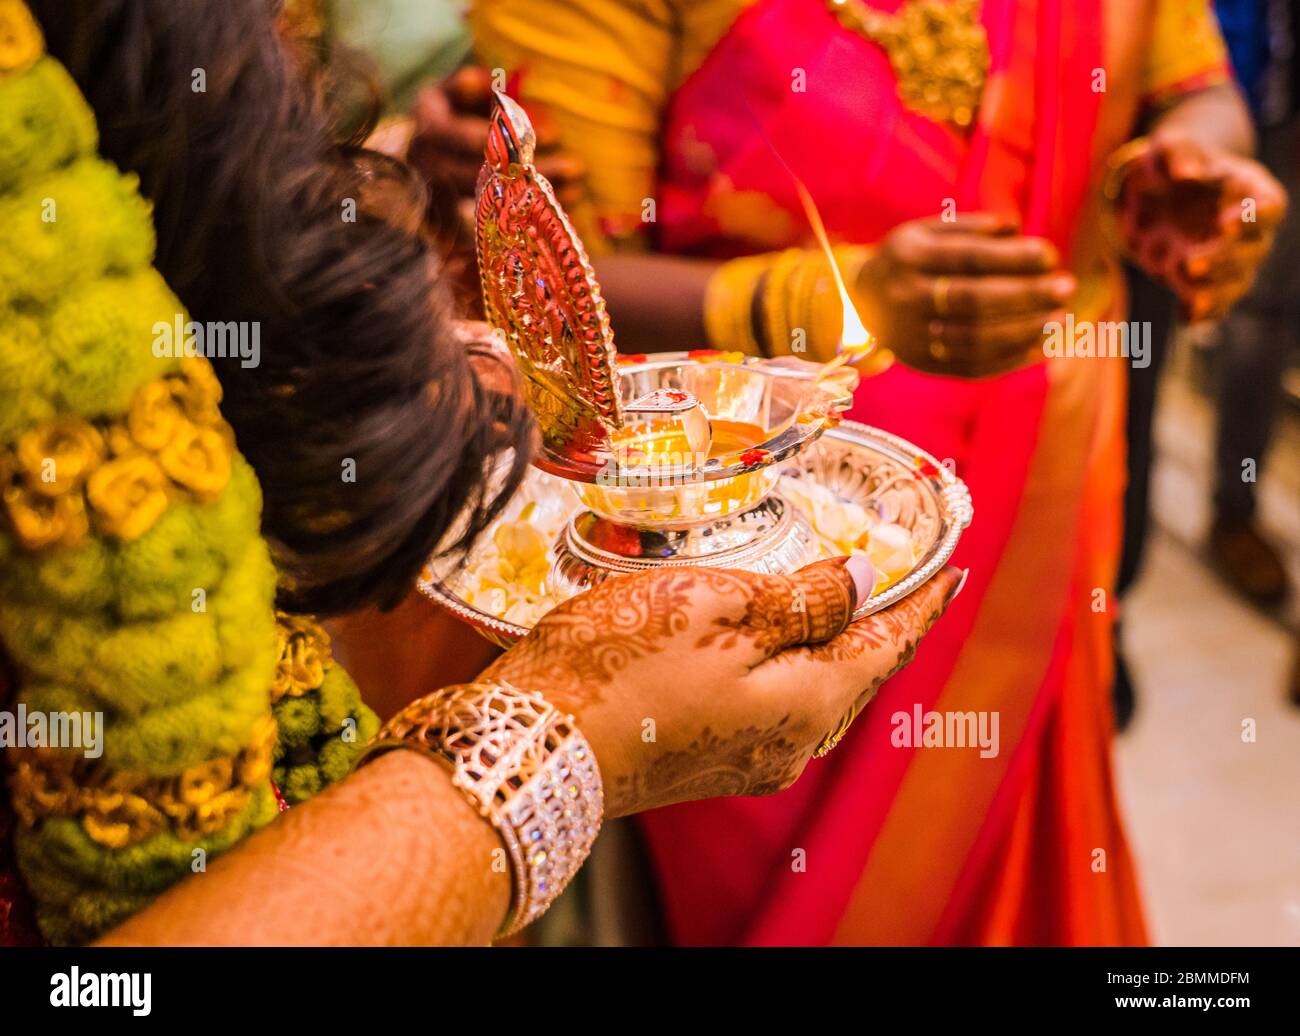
(1214, 819)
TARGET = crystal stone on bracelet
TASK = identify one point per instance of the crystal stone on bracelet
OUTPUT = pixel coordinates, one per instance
(556, 817)
(525, 767)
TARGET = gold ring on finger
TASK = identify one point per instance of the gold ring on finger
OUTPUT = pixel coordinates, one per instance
(939, 294)
(833, 738)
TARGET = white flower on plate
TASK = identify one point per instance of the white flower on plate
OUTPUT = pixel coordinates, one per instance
(846, 527)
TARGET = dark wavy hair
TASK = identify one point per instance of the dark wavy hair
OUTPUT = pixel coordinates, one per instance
(249, 179)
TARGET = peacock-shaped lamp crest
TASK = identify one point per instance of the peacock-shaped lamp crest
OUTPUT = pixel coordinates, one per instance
(540, 291)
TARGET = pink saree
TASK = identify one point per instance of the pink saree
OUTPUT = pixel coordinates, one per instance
(878, 843)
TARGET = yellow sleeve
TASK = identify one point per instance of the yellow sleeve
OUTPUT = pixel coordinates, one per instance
(1187, 51)
(601, 71)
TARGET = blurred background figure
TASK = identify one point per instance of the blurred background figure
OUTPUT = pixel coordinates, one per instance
(1256, 341)
(1249, 362)
(1257, 353)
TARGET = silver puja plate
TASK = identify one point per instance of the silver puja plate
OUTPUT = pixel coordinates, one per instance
(885, 475)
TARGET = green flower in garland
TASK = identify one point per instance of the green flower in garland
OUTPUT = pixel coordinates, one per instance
(76, 224)
(44, 123)
(321, 719)
(135, 581)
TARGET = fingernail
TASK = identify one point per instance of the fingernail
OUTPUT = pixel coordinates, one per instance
(961, 583)
(1063, 287)
(864, 576)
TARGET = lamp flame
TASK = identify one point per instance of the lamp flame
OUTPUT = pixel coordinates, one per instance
(854, 336)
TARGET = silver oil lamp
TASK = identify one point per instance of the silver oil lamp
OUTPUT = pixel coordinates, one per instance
(697, 458)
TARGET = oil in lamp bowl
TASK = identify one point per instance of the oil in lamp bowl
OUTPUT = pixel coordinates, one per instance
(712, 504)
(759, 413)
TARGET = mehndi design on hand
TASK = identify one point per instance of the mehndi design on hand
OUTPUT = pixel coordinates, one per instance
(695, 682)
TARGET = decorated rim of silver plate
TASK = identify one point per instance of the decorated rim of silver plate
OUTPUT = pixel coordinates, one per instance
(955, 506)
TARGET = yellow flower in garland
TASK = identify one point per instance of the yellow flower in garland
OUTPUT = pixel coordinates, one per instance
(202, 784)
(41, 521)
(127, 495)
(198, 459)
(304, 655)
(118, 809)
(56, 458)
(20, 39)
(120, 442)
(156, 454)
(155, 418)
(198, 391)
(115, 818)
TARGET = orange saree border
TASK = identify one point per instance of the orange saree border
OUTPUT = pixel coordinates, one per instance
(1052, 865)
(944, 798)
(989, 829)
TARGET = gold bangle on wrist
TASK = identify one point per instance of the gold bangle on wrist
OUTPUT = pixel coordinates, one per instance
(798, 294)
(802, 295)
(525, 768)
(729, 304)
(778, 302)
(1118, 165)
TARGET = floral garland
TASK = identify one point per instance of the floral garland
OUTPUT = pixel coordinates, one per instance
(134, 583)
(122, 473)
(317, 709)
(119, 809)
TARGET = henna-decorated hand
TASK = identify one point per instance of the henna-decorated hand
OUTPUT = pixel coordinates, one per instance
(1199, 219)
(693, 683)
